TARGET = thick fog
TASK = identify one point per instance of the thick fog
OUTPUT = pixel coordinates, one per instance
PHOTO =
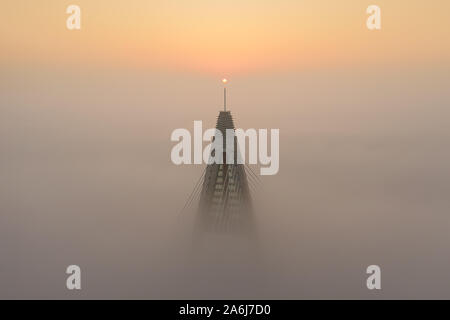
(86, 179)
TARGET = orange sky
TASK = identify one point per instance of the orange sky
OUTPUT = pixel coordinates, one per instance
(224, 37)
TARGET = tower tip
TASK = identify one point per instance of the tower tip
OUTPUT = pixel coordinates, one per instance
(224, 81)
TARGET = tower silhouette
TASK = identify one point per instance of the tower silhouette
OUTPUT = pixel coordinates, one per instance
(225, 204)
(225, 201)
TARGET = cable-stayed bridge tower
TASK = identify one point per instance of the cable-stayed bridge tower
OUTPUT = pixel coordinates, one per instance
(223, 191)
(225, 200)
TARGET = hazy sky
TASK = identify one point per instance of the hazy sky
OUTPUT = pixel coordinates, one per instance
(85, 124)
(216, 37)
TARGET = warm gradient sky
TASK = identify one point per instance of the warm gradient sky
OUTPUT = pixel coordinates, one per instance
(86, 118)
(219, 37)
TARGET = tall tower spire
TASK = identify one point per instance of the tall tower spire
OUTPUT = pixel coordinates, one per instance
(225, 99)
(224, 95)
(225, 204)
